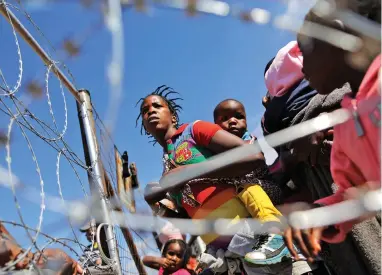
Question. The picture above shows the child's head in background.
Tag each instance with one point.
(230, 115)
(176, 251)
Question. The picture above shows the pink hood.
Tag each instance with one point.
(285, 70)
(355, 157)
(169, 232)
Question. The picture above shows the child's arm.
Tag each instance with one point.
(219, 141)
(156, 262)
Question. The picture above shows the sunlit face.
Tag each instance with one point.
(175, 253)
(231, 116)
(156, 115)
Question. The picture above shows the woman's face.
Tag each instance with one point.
(175, 253)
(322, 64)
(156, 115)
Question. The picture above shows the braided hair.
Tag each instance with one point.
(164, 92)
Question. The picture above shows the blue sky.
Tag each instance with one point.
(205, 58)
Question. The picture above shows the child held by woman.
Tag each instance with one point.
(224, 193)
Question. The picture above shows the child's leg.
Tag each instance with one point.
(258, 204)
(268, 248)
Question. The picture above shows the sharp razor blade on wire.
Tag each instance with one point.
(369, 203)
(78, 212)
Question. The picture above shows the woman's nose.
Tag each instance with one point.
(151, 110)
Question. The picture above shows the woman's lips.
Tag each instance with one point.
(153, 120)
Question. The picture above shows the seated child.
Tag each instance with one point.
(230, 115)
(214, 195)
(173, 261)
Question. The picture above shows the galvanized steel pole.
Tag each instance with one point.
(96, 173)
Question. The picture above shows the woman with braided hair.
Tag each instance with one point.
(217, 194)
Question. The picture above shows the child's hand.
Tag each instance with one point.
(59, 261)
(166, 263)
(307, 240)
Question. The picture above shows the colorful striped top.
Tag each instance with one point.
(189, 146)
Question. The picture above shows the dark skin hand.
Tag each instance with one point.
(66, 265)
(221, 142)
(308, 148)
(157, 262)
(10, 250)
(307, 240)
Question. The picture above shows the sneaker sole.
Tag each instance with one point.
(274, 260)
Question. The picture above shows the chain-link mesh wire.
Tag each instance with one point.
(24, 102)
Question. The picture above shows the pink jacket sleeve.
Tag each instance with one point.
(345, 174)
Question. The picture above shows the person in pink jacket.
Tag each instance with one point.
(355, 156)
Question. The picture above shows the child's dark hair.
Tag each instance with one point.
(184, 247)
(164, 92)
(216, 110)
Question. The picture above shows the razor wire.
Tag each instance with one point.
(20, 116)
(17, 108)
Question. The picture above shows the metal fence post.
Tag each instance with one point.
(95, 174)
(125, 231)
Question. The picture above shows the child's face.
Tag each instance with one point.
(156, 115)
(231, 116)
(176, 254)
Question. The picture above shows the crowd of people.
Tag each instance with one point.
(306, 78)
